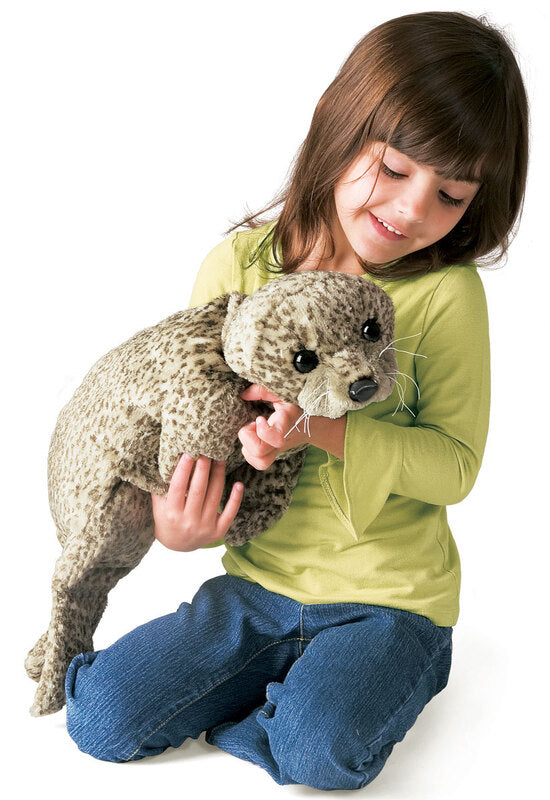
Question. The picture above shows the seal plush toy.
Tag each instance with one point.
(316, 339)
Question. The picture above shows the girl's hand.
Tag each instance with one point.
(187, 518)
(263, 440)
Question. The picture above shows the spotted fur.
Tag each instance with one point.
(174, 388)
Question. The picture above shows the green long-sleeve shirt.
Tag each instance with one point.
(373, 528)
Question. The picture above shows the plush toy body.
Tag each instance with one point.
(319, 340)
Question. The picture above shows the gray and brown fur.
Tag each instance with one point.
(175, 388)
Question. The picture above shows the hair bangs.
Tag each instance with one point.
(452, 131)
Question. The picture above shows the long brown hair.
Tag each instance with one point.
(445, 89)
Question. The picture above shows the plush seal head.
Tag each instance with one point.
(321, 340)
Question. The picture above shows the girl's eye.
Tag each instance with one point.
(390, 172)
(451, 201)
(445, 198)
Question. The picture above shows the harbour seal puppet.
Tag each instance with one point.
(320, 340)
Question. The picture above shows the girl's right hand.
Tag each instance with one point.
(187, 518)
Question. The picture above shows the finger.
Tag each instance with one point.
(198, 486)
(267, 433)
(247, 432)
(230, 511)
(258, 392)
(215, 490)
(252, 442)
(261, 462)
(180, 480)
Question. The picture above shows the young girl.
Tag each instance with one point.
(330, 632)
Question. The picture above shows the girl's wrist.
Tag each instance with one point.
(328, 434)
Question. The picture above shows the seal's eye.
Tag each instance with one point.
(305, 360)
(371, 330)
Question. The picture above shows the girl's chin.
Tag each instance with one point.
(374, 256)
(380, 252)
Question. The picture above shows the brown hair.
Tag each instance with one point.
(445, 89)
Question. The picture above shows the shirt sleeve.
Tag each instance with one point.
(216, 274)
(437, 459)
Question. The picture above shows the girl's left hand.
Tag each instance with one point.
(263, 439)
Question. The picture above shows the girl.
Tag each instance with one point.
(330, 632)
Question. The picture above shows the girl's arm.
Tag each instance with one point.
(437, 459)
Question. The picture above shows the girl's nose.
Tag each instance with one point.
(414, 203)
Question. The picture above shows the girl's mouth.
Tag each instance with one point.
(381, 228)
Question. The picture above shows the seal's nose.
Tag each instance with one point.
(362, 389)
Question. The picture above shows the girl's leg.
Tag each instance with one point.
(357, 689)
(178, 675)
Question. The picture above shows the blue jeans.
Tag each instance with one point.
(314, 694)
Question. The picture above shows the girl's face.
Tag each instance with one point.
(410, 207)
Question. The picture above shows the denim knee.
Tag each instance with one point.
(97, 721)
(310, 750)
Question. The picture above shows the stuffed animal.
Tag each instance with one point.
(321, 340)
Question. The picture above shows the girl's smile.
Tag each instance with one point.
(385, 228)
(387, 205)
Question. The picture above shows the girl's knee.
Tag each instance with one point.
(316, 749)
(320, 759)
(98, 718)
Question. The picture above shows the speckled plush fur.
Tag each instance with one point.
(175, 388)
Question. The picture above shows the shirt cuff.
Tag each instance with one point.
(358, 486)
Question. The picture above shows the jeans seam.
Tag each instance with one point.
(214, 686)
(301, 629)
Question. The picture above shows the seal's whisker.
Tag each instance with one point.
(393, 341)
(402, 405)
(304, 415)
(404, 351)
(401, 394)
(325, 394)
(409, 377)
(317, 399)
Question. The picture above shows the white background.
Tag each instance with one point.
(132, 133)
